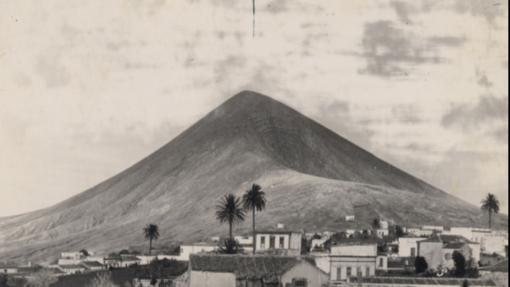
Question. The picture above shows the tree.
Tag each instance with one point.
(229, 210)
(151, 232)
(465, 283)
(490, 204)
(376, 223)
(254, 199)
(420, 264)
(460, 264)
(399, 232)
(84, 252)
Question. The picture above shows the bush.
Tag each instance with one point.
(460, 264)
(102, 280)
(230, 246)
(420, 264)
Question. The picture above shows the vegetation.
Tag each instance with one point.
(490, 204)
(229, 246)
(376, 223)
(41, 278)
(229, 210)
(102, 280)
(420, 264)
(151, 232)
(460, 264)
(254, 199)
(84, 252)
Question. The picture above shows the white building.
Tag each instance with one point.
(241, 270)
(70, 258)
(408, 246)
(353, 258)
(285, 241)
(195, 248)
(349, 218)
(490, 241)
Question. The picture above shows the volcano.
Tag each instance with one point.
(312, 177)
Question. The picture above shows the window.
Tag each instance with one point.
(271, 241)
(281, 241)
(262, 242)
(338, 273)
(359, 273)
(348, 271)
(381, 262)
(299, 282)
(367, 271)
(413, 251)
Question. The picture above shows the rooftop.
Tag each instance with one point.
(246, 267)
(422, 281)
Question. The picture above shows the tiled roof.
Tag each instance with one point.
(422, 281)
(246, 267)
(355, 241)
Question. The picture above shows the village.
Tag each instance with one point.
(386, 254)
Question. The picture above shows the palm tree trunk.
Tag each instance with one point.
(253, 234)
(230, 230)
(490, 219)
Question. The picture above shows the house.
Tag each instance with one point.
(246, 242)
(490, 241)
(72, 268)
(93, 265)
(70, 258)
(349, 218)
(352, 257)
(438, 250)
(8, 269)
(408, 246)
(121, 261)
(195, 248)
(435, 228)
(418, 232)
(279, 241)
(417, 282)
(257, 270)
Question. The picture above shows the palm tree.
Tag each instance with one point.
(151, 232)
(491, 205)
(254, 199)
(229, 210)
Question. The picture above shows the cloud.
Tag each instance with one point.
(403, 10)
(447, 41)
(488, 9)
(387, 49)
(406, 114)
(468, 117)
(483, 80)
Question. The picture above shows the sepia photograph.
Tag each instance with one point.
(253, 143)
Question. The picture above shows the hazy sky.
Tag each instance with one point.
(88, 88)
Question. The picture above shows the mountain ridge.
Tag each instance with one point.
(249, 138)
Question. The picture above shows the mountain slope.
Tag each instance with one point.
(312, 177)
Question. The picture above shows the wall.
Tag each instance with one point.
(322, 260)
(211, 279)
(187, 250)
(432, 252)
(355, 250)
(314, 276)
(277, 236)
(343, 262)
(406, 243)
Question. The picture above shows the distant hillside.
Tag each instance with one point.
(312, 177)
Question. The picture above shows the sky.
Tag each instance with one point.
(87, 88)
